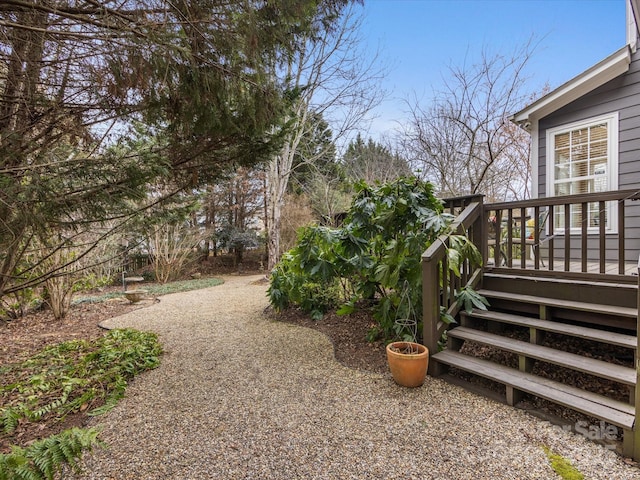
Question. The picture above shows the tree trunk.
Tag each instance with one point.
(279, 169)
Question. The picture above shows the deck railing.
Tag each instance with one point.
(585, 236)
(597, 243)
(531, 237)
(439, 284)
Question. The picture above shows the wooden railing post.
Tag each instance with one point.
(430, 307)
(439, 284)
(480, 232)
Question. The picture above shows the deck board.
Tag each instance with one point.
(595, 334)
(616, 373)
(626, 312)
(612, 411)
(611, 268)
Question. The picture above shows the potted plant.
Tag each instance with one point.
(408, 360)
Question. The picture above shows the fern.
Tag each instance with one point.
(75, 375)
(9, 418)
(118, 388)
(69, 385)
(13, 464)
(44, 459)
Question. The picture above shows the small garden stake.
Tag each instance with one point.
(408, 360)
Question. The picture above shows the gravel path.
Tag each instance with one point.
(240, 397)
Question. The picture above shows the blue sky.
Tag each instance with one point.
(418, 39)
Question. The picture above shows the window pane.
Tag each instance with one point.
(562, 171)
(582, 186)
(579, 153)
(576, 216)
(562, 140)
(581, 166)
(600, 178)
(558, 217)
(562, 155)
(594, 215)
(563, 189)
(579, 169)
(599, 132)
(598, 167)
(598, 149)
(580, 136)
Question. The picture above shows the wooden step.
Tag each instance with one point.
(594, 334)
(617, 373)
(625, 312)
(612, 411)
(608, 293)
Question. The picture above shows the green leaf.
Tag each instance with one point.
(346, 309)
(469, 298)
(455, 260)
(446, 317)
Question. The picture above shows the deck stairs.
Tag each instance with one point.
(554, 324)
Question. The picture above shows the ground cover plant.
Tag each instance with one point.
(154, 289)
(372, 260)
(77, 376)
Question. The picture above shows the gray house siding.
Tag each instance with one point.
(621, 95)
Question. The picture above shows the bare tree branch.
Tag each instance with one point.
(335, 81)
(463, 141)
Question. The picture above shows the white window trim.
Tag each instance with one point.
(612, 120)
(534, 159)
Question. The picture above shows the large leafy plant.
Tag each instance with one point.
(370, 257)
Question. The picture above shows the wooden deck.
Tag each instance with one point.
(581, 281)
(611, 268)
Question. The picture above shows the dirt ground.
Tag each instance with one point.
(27, 335)
(348, 335)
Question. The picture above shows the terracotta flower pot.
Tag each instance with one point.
(408, 363)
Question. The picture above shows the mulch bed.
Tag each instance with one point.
(25, 336)
(22, 337)
(348, 333)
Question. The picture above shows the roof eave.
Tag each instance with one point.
(608, 69)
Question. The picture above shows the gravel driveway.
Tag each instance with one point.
(238, 396)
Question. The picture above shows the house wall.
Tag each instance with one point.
(621, 95)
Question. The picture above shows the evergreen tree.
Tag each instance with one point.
(99, 101)
(316, 155)
(373, 162)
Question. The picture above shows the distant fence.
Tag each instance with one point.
(134, 262)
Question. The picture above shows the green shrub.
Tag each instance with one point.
(16, 304)
(305, 276)
(372, 256)
(90, 282)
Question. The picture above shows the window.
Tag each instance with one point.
(583, 158)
